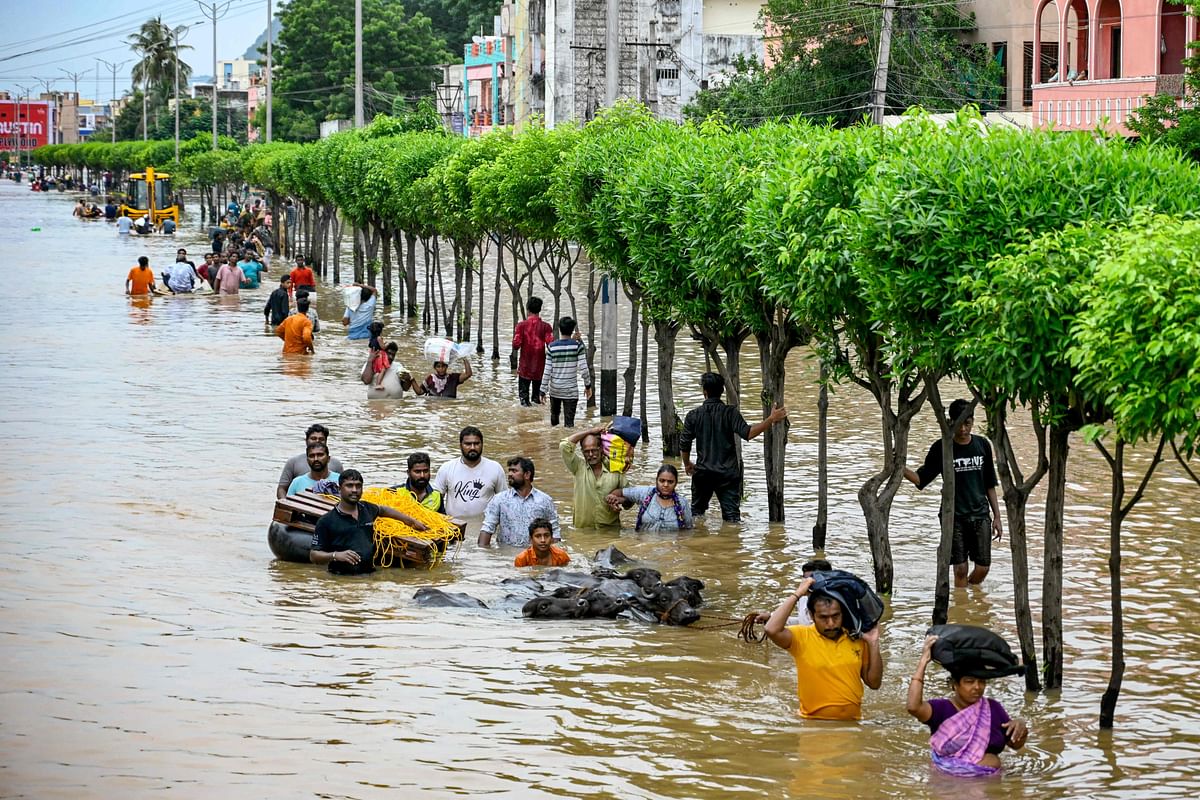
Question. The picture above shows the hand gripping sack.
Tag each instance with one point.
(861, 607)
(618, 453)
(973, 651)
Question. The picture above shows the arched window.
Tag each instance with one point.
(1108, 39)
(1172, 44)
(1046, 54)
(1075, 59)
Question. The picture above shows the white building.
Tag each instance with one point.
(668, 50)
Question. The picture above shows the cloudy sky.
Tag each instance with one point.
(48, 38)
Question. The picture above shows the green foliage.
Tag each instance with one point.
(825, 60)
(456, 21)
(941, 202)
(314, 61)
(513, 190)
(1135, 341)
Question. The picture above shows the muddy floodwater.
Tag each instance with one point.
(150, 645)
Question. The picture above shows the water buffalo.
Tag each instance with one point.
(691, 586)
(670, 604)
(429, 597)
(644, 577)
(555, 608)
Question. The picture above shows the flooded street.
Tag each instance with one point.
(151, 643)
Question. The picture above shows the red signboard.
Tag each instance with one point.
(28, 121)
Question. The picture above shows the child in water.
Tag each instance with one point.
(542, 551)
(379, 357)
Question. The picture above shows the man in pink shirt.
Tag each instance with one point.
(530, 338)
(230, 276)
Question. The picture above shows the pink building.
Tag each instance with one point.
(1099, 59)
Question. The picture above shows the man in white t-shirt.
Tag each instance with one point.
(124, 225)
(469, 482)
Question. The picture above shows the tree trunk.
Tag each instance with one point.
(941, 595)
(410, 274)
(1118, 510)
(496, 298)
(593, 295)
(821, 525)
(398, 245)
(482, 292)
(1016, 497)
(1052, 558)
(630, 374)
(642, 380)
(383, 237)
(773, 347)
(338, 230)
(877, 493)
(664, 336)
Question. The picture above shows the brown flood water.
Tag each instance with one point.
(151, 643)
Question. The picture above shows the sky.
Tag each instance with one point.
(42, 41)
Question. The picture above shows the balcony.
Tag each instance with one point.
(1084, 105)
(1098, 60)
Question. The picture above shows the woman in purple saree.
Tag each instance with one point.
(968, 730)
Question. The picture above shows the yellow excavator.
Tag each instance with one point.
(149, 195)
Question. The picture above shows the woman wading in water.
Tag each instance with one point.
(967, 730)
(660, 507)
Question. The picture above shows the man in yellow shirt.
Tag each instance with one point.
(831, 668)
(593, 480)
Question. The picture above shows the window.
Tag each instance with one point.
(1027, 75)
(1000, 52)
(1049, 66)
(667, 74)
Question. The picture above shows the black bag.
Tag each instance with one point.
(861, 607)
(973, 651)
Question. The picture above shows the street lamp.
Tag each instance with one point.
(25, 90)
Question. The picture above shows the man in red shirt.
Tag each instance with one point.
(530, 338)
(303, 278)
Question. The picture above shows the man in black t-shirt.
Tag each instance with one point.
(976, 508)
(717, 470)
(345, 537)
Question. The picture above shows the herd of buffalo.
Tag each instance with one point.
(639, 593)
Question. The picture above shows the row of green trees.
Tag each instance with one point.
(1048, 271)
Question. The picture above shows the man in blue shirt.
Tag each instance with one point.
(318, 477)
(252, 270)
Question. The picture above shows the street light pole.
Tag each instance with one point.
(48, 83)
(214, 11)
(358, 69)
(112, 104)
(270, 16)
(25, 90)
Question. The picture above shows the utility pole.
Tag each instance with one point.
(178, 30)
(358, 76)
(608, 345)
(270, 20)
(612, 58)
(879, 91)
(214, 11)
(112, 104)
(145, 88)
(74, 76)
(25, 90)
(48, 83)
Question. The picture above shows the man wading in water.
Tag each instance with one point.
(345, 536)
(470, 482)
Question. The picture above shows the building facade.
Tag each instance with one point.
(660, 52)
(1100, 59)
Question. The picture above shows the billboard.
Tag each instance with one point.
(28, 121)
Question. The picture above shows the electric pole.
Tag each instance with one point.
(214, 11)
(879, 91)
(608, 345)
(25, 90)
(358, 55)
(74, 76)
(270, 20)
(112, 104)
(48, 83)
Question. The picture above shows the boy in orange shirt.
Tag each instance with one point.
(141, 278)
(542, 551)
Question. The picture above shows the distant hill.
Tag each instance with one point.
(252, 53)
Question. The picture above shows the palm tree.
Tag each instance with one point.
(158, 46)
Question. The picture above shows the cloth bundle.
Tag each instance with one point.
(973, 651)
(861, 607)
(618, 442)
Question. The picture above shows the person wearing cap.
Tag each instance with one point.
(443, 383)
(831, 667)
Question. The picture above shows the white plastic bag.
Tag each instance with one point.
(445, 350)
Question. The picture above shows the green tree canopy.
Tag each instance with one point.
(314, 61)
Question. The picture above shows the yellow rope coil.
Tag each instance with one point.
(440, 532)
